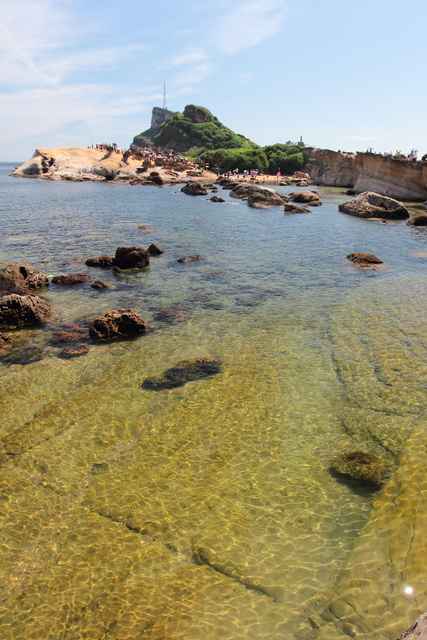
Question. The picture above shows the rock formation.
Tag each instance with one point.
(373, 205)
(257, 196)
(306, 197)
(71, 279)
(386, 175)
(116, 324)
(131, 258)
(364, 260)
(194, 189)
(420, 220)
(185, 371)
(362, 467)
(21, 278)
(23, 311)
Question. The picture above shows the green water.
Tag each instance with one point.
(208, 511)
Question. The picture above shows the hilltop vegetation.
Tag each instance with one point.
(198, 133)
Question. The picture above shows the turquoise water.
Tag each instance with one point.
(208, 511)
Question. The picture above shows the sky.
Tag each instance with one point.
(343, 74)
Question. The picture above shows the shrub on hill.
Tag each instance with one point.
(270, 159)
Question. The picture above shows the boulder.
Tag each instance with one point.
(257, 196)
(314, 203)
(101, 284)
(121, 323)
(420, 220)
(154, 250)
(23, 311)
(74, 278)
(303, 196)
(293, 208)
(362, 467)
(194, 189)
(101, 261)
(131, 257)
(4, 339)
(418, 631)
(185, 371)
(364, 260)
(373, 205)
(21, 278)
(195, 258)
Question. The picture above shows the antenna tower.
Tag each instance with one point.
(164, 95)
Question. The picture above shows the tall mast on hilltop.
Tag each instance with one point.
(164, 95)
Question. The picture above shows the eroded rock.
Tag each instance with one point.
(420, 220)
(373, 205)
(154, 250)
(362, 467)
(4, 339)
(303, 196)
(364, 260)
(120, 323)
(293, 208)
(195, 258)
(21, 278)
(257, 196)
(194, 189)
(185, 371)
(23, 311)
(131, 258)
(101, 261)
(72, 279)
(101, 284)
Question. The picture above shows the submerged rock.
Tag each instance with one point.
(121, 323)
(101, 284)
(195, 258)
(185, 371)
(21, 278)
(293, 208)
(72, 279)
(194, 189)
(101, 261)
(420, 220)
(362, 467)
(131, 258)
(364, 260)
(170, 316)
(24, 355)
(23, 311)
(373, 205)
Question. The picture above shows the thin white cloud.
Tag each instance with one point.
(248, 24)
(194, 75)
(189, 56)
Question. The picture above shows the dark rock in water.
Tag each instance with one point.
(194, 189)
(4, 339)
(144, 227)
(73, 340)
(74, 278)
(170, 316)
(420, 220)
(117, 272)
(21, 278)
(303, 196)
(373, 205)
(362, 467)
(154, 250)
(364, 260)
(293, 208)
(195, 258)
(74, 351)
(24, 355)
(23, 311)
(121, 323)
(101, 284)
(155, 178)
(314, 203)
(185, 371)
(350, 192)
(131, 258)
(260, 197)
(102, 261)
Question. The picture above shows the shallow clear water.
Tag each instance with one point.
(208, 511)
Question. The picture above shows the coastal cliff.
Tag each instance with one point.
(388, 176)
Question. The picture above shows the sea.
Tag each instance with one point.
(210, 511)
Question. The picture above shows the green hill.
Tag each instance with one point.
(197, 129)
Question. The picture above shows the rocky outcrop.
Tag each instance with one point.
(361, 467)
(4, 339)
(185, 371)
(194, 189)
(121, 323)
(101, 261)
(21, 278)
(386, 175)
(131, 258)
(195, 258)
(420, 220)
(306, 197)
(71, 279)
(23, 311)
(101, 284)
(154, 250)
(364, 260)
(257, 196)
(373, 205)
(293, 208)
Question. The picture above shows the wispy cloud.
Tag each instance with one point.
(248, 24)
(191, 55)
(195, 74)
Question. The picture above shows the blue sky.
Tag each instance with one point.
(343, 74)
